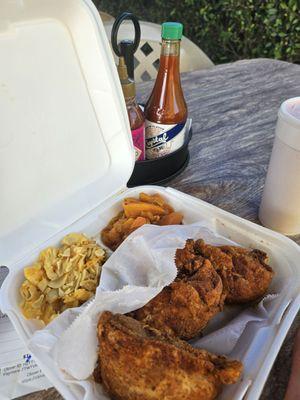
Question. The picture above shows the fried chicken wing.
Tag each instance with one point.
(184, 308)
(137, 362)
(245, 273)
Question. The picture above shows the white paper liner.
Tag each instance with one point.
(132, 276)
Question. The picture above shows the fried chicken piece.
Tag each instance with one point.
(184, 308)
(245, 273)
(187, 260)
(138, 362)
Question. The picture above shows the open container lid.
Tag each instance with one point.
(65, 142)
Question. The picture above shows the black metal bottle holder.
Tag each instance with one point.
(163, 169)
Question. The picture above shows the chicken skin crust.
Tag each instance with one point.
(184, 308)
(245, 274)
(137, 362)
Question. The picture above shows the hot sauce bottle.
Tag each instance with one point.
(166, 110)
(135, 114)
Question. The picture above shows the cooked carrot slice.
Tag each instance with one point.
(134, 209)
(175, 218)
(152, 198)
(139, 221)
(131, 200)
(169, 209)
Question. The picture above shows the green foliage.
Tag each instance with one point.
(226, 30)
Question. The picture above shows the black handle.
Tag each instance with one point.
(127, 48)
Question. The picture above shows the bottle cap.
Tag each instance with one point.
(171, 30)
(128, 85)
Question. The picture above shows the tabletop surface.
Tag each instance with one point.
(234, 111)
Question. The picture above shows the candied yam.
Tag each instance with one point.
(131, 200)
(152, 198)
(127, 224)
(113, 221)
(153, 219)
(113, 237)
(156, 199)
(137, 212)
(175, 218)
(169, 209)
(138, 222)
(134, 209)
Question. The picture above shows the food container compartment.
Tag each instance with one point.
(67, 155)
(260, 346)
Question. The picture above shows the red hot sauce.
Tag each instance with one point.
(166, 110)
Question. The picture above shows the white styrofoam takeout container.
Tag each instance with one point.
(66, 155)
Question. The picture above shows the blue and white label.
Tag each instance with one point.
(163, 139)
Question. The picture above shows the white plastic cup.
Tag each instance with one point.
(280, 206)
